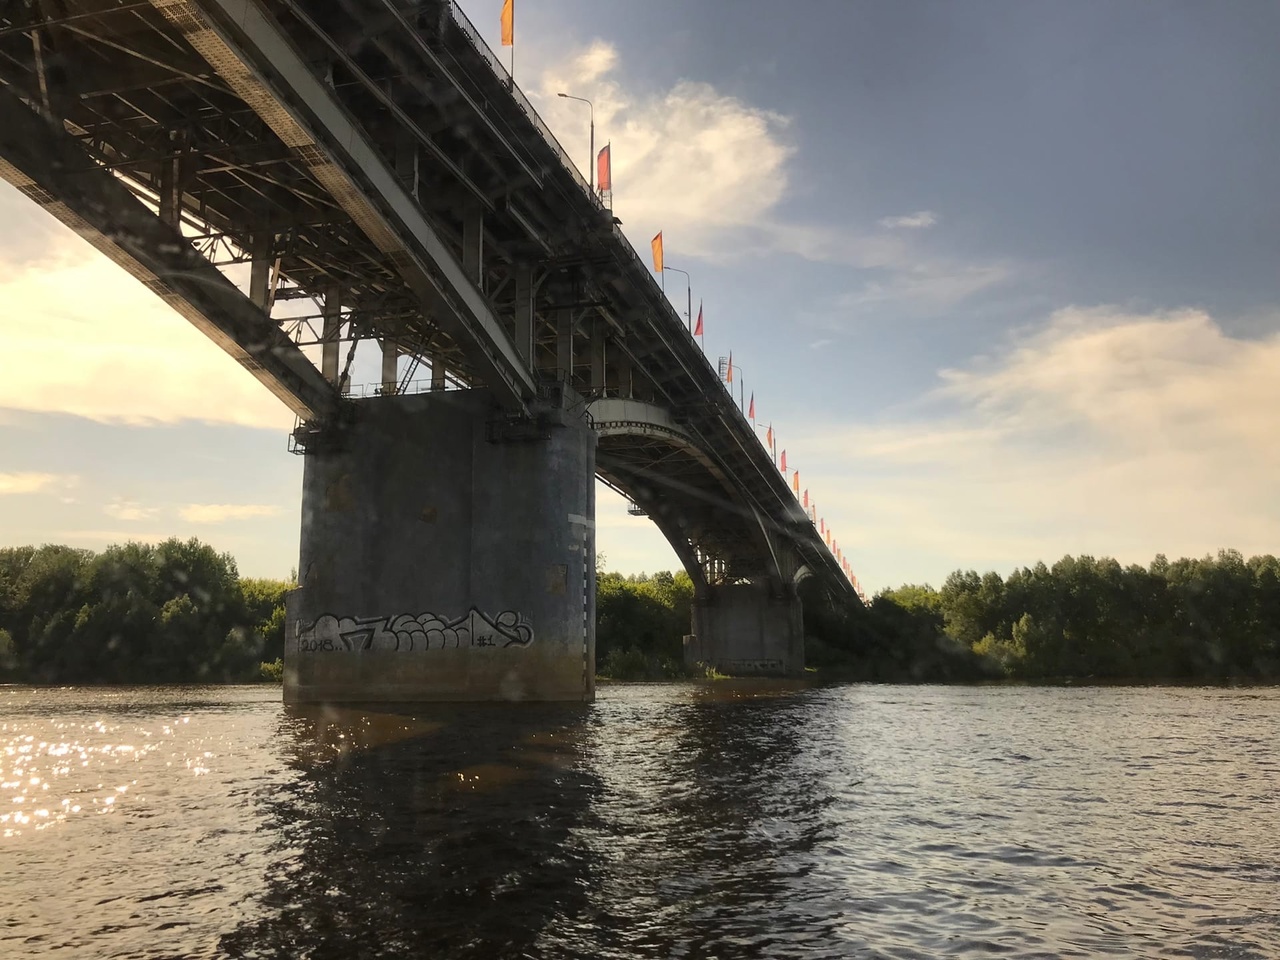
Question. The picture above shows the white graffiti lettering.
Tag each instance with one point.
(406, 631)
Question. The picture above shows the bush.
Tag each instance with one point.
(272, 672)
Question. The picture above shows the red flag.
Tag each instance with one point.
(656, 246)
(783, 466)
(751, 410)
(806, 498)
(822, 525)
(508, 23)
(604, 169)
(697, 331)
(729, 378)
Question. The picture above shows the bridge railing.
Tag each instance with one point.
(464, 24)
(495, 63)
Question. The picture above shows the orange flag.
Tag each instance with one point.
(783, 467)
(806, 498)
(828, 538)
(508, 23)
(751, 410)
(604, 169)
(795, 482)
(697, 331)
(656, 246)
(729, 378)
(768, 437)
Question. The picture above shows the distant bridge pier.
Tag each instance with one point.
(747, 628)
(447, 553)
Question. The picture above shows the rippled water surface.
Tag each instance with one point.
(662, 821)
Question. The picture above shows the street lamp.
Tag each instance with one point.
(742, 387)
(688, 286)
(591, 170)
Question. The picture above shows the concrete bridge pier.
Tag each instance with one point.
(747, 628)
(447, 554)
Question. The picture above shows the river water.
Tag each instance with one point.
(714, 820)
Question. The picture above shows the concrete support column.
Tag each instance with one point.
(622, 364)
(260, 268)
(390, 374)
(170, 208)
(599, 349)
(437, 374)
(564, 344)
(473, 246)
(745, 628)
(407, 162)
(330, 334)
(439, 565)
(524, 313)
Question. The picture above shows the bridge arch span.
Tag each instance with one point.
(645, 454)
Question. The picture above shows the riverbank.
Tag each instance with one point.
(178, 611)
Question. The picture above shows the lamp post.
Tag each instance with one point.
(742, 387)
(591, 170)
(688, 286)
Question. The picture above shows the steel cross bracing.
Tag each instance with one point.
(374, 154)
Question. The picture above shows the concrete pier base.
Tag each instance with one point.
(446, 556)
(744, 629)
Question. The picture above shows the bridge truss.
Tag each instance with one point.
(365, 170)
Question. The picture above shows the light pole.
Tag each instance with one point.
(688, 286)
(591, 169)
(742, 387)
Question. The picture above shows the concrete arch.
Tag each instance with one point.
(653, 487)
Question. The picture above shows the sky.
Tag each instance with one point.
(1001, 275)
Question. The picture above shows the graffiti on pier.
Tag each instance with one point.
(425, 631)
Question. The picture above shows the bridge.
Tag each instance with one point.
(371, 175)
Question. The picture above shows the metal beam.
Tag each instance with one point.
(48, 165)
(254, 57)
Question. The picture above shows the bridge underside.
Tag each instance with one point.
(301, 177)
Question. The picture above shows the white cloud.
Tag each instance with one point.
(690, 161)
(920, 220)
(123, 509)
(222, 512)
(75, 537)
(1103, 432)
(929, 285)
(83, 337)
(711, 171)
(12, 483)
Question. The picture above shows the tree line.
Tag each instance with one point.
(177, 611)
(1211, 618)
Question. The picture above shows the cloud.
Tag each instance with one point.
(1102, 431)
(713, 172)
(14, 483)
(689, 160)
(83, 337)
(122, 509)
(222, 512)
(920, 220)
(929, 285)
